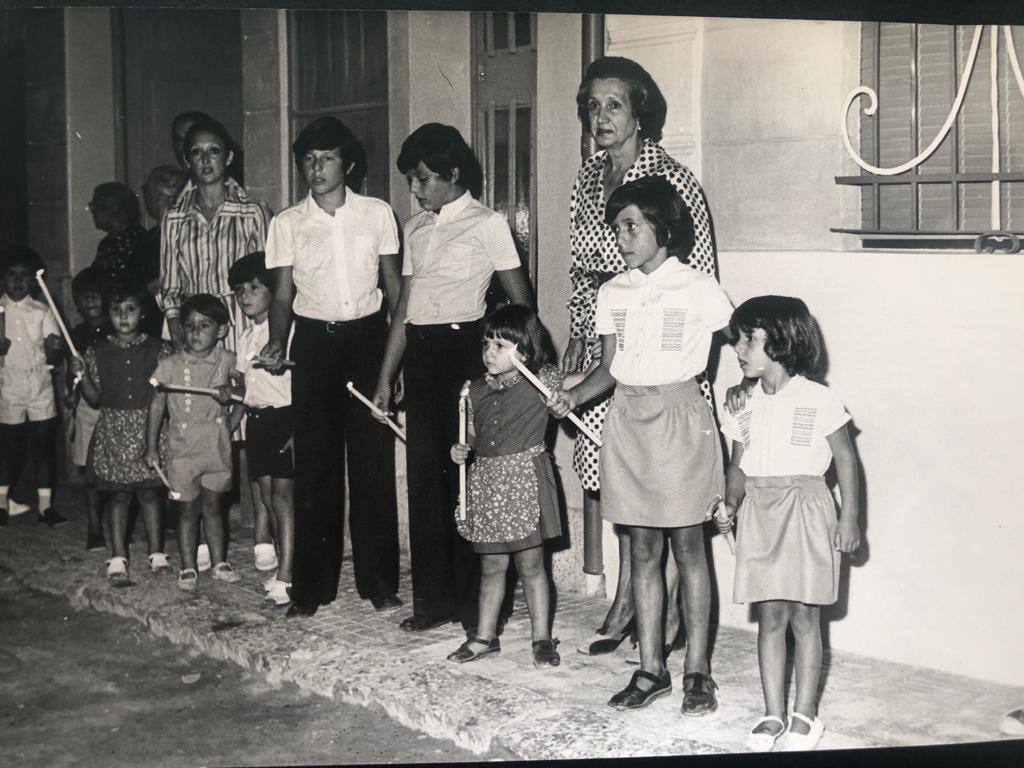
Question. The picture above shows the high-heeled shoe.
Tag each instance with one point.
(603, 642)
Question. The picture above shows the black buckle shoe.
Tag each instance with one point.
(544, 653)
(635, 697)
(698, 694)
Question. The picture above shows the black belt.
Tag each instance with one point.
(337, 326)
(432, 331)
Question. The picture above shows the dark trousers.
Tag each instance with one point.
(30, 444)
(438, 360)
(330, 424)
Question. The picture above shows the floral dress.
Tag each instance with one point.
(512, 502)
(122, 371)
(596, 259)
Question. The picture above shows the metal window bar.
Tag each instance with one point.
(954, 178)
(510, 212)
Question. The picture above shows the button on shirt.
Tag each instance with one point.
(662, 322)
(786, 433)
(26, 324)
(335, 260)
(451, 256)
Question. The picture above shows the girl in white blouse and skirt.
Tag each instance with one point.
(661, 464)
(789, 542)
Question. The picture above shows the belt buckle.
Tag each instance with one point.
(332, 326)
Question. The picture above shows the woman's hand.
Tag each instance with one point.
(572, 360)
(561, 402)
(176, 332)
(460, 453)
(847, 537)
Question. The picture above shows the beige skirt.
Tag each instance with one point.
(661, 464)
(785, 530)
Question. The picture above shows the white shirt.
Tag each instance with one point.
(335, 260)
(662, 322)
(262, 388)
(451, 256)
(26, 324)
(786, 433)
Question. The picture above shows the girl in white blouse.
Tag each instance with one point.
(788, 539)
(661, 463)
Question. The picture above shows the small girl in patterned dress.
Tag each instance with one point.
(116, 381)
(511, 505)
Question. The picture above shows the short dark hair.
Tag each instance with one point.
(192, 116)
(90, 279)
(209, 125)
(120, 199)
(122, 290)
(21, 255)
(252, 266)
(663, 208)
(521, 326)
(328, 132)
(205, 304)
(792, 336)
(442, 149)
(649, 106)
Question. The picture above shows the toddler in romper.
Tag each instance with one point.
(198, 437)
(789, 542)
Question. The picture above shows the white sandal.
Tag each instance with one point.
(798, 742)
(158, 563)
(188, 579)
(117, 568)
(278, 593)
(265, 557)
(758, 741)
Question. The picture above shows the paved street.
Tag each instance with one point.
(93, 689)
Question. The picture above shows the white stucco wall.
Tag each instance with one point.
(917, 350)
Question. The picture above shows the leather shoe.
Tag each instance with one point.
(52, 517)
(3, 516)
(385, 603)
(466, 652)
(698, 694)
(544, 653)
(299, 610)
(421, 623)
(635, 697)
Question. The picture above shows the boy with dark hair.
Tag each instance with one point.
(330, 251)
(268, 428)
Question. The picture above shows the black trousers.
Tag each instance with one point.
(331, 425)
(445, 575)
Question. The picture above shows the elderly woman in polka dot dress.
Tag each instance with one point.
(622, 108)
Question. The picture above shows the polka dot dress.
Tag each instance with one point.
(596, 259)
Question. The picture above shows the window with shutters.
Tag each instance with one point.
(339, 67)
(941, 136)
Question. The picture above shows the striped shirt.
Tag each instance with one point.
(451, 256)
(195, 255)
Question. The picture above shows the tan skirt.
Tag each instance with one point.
(661, 464)
(785, 530)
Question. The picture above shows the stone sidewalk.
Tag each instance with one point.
(500, 706)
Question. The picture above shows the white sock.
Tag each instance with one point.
(3, 495)
(44, 499)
